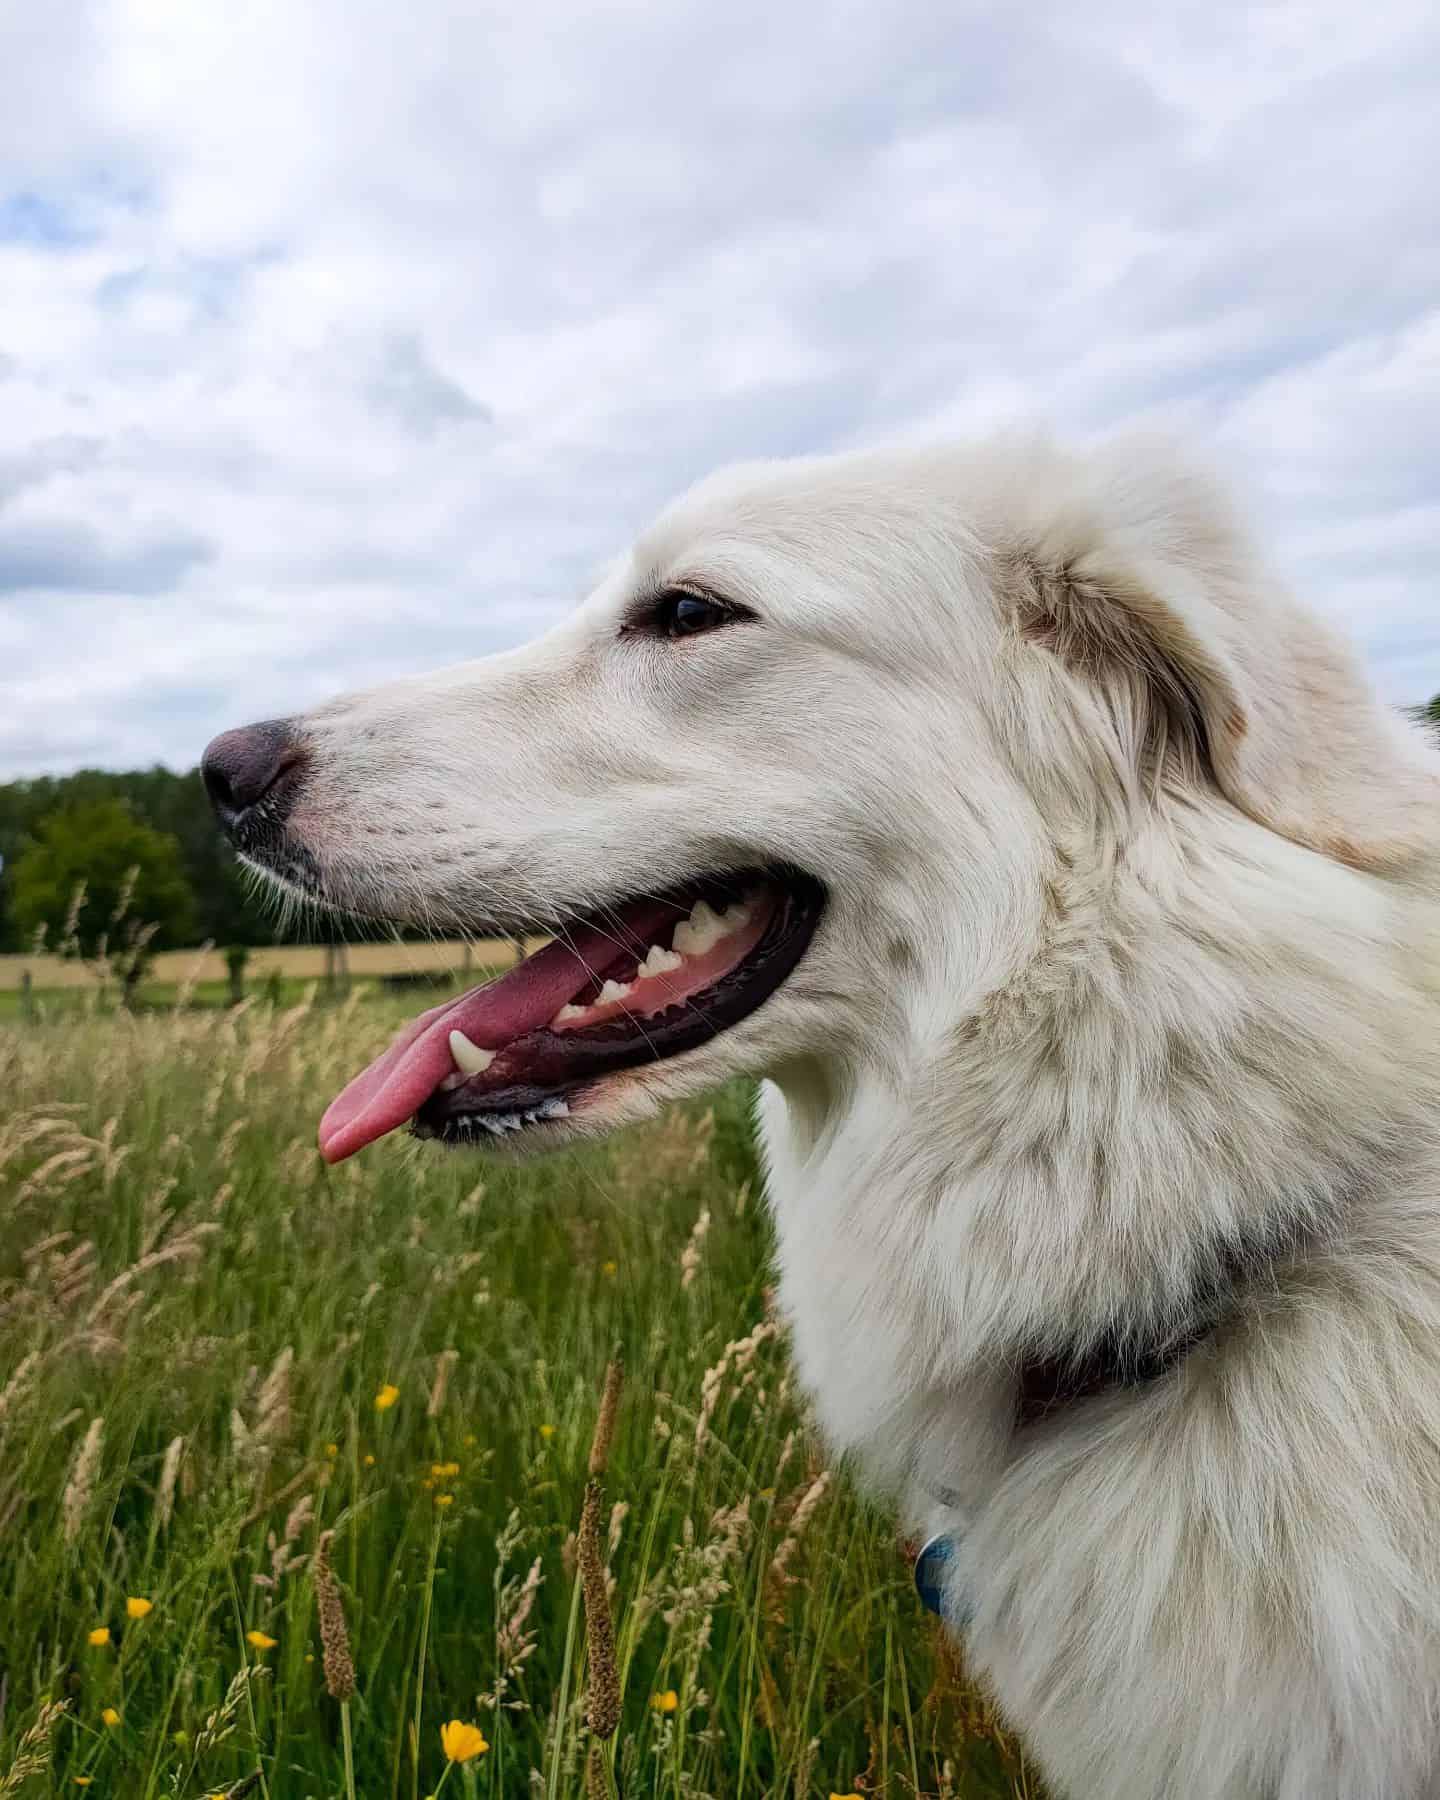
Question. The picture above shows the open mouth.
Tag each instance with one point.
(640, 981)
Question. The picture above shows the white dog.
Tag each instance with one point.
(1080, 906)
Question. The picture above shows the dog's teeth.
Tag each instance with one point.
(612, 991)
(568, 1012)
(553, 1109)
(660, 961)
(451, 1082)
(469, 1057)
(700, 932)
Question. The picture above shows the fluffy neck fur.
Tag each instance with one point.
(1219, 1038)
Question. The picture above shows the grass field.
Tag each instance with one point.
(212, 1349)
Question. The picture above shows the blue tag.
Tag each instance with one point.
(932, 1570)
(931, 1567)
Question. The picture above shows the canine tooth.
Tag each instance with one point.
(469, 1057)
(660, 961)
(612, 990)
(700, 932)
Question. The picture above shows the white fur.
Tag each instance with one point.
(1084, 998)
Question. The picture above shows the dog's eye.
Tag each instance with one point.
(683, 614)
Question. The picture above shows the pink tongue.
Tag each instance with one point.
(403, 1077)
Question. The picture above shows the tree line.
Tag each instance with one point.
(95, 827)
(136, 846)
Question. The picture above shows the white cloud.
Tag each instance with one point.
(348, 338)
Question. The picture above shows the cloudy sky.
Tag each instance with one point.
(340, 337)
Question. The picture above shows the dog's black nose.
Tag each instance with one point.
(241, 767)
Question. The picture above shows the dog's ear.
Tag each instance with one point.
(1143, 583)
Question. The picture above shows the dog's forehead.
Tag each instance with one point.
(806, 508)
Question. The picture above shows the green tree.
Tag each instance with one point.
(134, 894)
(170, 802)
(227, 910)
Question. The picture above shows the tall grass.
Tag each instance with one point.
(213, 1351)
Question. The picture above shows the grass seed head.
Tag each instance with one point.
(691, 1254)
(604, 1703)
(444, 1363)
(32, 1753)
(169, 1475)
(799, 1519)
(609, 1411)
(78, 1489)
(596, 1786)
(272, 1412)
(339, 1667)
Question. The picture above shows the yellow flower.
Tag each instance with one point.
(460, 1741)
(136, 1608)
(369, 1461)
(547, 1431)
(441, 1471)
(610, 1268)
(110, 1717)
(471, 1440)
(332, 1450)
(444, 1499)
(847, 1797)
(387, 1397)
(666, 1702)
(83, 1780)
(259, 1641)
(99, 1637)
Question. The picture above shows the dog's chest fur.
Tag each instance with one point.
(1075, 1155)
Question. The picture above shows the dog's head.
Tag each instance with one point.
(786, 788)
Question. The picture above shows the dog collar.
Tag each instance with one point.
(1049, 1383)
(1125, 1357)
(1117, 1361)
(1043, 1386)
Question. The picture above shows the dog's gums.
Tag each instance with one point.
(642, 980)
